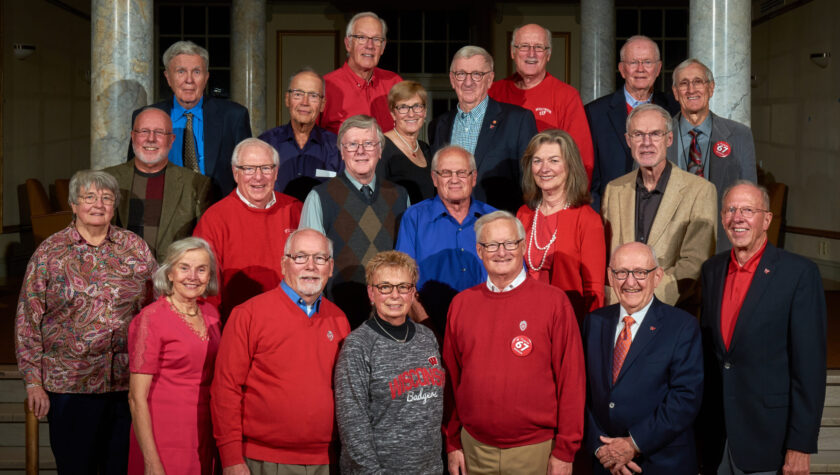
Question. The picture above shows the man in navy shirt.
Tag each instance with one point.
(438, 233)
(309, 155)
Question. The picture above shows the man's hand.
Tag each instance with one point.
(456, 463)
(39, 402)
(628, 469)
(238, 469)
(796, 463)
(616, 452)
(558, 467)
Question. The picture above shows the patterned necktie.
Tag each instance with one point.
(622, 345)
(367, 191)
(696, 165)
(190, 158)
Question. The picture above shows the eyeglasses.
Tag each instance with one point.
(144, 133)
(386, 288)
(458, 173)
(320, 259)
(639, 274)
(362, 39)
(494, 246)
(404, 108)
(523, 48)
(299, 94)
(91, 198)
(696, 83)
(655, 136)
(746, 212)
(353, 146)
(647, 64)
(475, 75)
(250, 170)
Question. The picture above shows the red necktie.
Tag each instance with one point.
(622, 345)
(696, 165)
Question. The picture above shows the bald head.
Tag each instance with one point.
(151, 139)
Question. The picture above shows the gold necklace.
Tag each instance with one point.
(186, 314)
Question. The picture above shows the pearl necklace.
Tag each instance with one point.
(533, 239)
(416, 145)
(376, 319)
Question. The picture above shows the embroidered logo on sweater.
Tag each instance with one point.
(330, 335)
(523, 325)
(433, 360)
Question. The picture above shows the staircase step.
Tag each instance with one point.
(14, 458)
(831, 416)
(829, 439)
(826, 461)
(11, 386)
(832, 388)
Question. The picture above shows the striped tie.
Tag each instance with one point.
(622, 346)
(696, 165)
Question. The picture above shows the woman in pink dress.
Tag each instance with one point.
(172, 346)
(565, 236)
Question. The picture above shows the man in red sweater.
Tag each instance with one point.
(515, 365)
(555, 104)
(272, 393)
(248, 228)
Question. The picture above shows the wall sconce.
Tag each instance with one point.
(821, 59)
(22, 51)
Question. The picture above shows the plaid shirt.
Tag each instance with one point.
(467, 126)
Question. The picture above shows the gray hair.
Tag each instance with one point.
(647, 246)
(85, 179)
(351, 25)
(547, 35)
(185, 47)
(254, 142)
(174, 253)
(453, 148)
(468, 52)
(310, 70)
(638, 38)
(765, 196)
(287, 249)
(669, 123)
(360, 121)
(688, 62)
(496, 215)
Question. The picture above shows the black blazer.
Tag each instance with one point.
(226, 123)
(607, 118)
(505, 133)
(766, 393)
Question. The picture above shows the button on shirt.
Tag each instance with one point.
(705, 129)
(309, 310)
(319, 158)
(467, 126)
(647, 202)
(179, 121)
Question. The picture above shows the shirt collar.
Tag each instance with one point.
(358, 80)
(638, 316)
(660, 185)
(439, 210)
(308, 309)
(751, 264)
(632, 101)
(516, 283)
(178, 111)
(251, 205)
(478, 110)
(356, 183)
(77, 236)
(287, 134)
(705, 127)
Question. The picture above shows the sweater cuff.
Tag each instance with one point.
(453, 443)
(231, 454)
(564, 453)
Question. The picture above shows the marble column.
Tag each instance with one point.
(597, 49)
(719, 36)
(248, 59)
(122, 74)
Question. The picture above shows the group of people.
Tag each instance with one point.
(518, 295)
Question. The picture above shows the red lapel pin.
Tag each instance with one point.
(766, 270)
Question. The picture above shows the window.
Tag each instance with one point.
(668, 27)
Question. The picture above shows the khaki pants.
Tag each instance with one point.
(258, 467)
(483, 459)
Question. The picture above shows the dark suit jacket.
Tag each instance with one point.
(657, 394)
(185, 198)
(505, 133)
(723, 172)
(226, 123)
(607, 118)
(765, 394)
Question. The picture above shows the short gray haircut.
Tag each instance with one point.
(647, 246)
(494, 216)
(453, 148)
(547, 35)
(351, 25)
(688, 62)
(174, 253)
(468, 52)
(765, 196)
(360, 121)
(287, 249)
(254, 142)
(669, 123)
(635, 38)
(310, 70)
(86, 179)
(185, 47)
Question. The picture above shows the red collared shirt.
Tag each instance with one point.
(738, 280)
(347, 95)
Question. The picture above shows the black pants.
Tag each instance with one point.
(89, 432)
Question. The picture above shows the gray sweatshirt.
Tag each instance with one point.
(389, 402)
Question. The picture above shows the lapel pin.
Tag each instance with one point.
(766, 270)
(493, 124)
(722, 149)
(652, 328)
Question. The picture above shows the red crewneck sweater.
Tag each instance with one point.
(503, 399)
(272, 393)
(248, 243)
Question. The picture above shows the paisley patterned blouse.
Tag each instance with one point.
(75, 306)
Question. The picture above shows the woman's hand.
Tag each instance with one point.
(39, 402)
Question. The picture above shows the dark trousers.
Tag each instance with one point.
(89, 432)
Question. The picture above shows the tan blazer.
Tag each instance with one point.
(683, 231)
(185, 198)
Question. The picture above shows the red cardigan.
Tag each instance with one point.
(580, 256)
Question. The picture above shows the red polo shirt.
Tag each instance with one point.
(349, 95)
(738, 280)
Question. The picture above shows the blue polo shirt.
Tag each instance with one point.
(179, 122)
(318, 160)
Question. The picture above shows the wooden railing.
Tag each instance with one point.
(31, 440)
